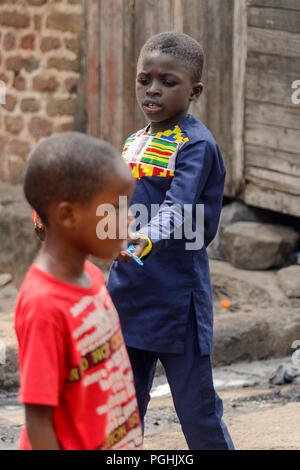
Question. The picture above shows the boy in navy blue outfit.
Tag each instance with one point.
(165, 306)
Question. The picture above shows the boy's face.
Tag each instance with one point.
(91, 222)
(164, 89)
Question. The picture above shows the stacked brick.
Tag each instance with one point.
(39, 65)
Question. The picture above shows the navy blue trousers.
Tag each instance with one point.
(197, 405)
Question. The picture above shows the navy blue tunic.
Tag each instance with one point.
(182, 167)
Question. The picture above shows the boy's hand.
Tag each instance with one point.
(139, 243)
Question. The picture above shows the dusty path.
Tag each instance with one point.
(259, 416)
(255, 420)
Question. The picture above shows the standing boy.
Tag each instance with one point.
(165, 307)
(76, 379)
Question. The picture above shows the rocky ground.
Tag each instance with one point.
(259, 415)
(262, 323)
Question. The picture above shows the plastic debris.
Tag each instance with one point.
(283, 376)
(225, 303)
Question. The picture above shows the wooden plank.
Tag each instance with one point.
(284, 4)
(111, 80)
(177, 15)
(286, 66)
(129, 69)
(280, 138)
(273, 159)
(267, 86)
(274, 18)
(194, 17)
(162, 16)
(272, 114)
(273, 180)
(143, 30)
(268, 41)
(256, 195)
(220, 18)
(238, 84)
(80, 123)
(92, 96)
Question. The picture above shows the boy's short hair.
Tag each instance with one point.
(69, 167)
(181, 46)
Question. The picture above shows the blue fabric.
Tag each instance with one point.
(154, 300)
(198, 406)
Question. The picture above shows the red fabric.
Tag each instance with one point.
(72, 356)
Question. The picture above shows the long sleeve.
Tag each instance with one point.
(198, 180)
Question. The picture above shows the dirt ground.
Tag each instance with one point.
(259, 415)
(256, 419)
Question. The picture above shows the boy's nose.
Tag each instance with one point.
(153, 89)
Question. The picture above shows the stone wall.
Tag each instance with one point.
(39, 64)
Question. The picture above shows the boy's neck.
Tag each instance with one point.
(64, 263)
(164, 126)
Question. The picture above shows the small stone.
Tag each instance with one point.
(14, 124)
(61, 107)
(14, 19)
(4, 78)
(31, 64)
(30, 105)
(49, 43)
(17, 63)
(63, 64)
(9, 41)
(258, 246)
(14, 63)
(19, 147)
(44, 84)
(234, 212)
(16, 166)
(36, 3)
(73, 44)
(71, 84)
(285, 390)
(10, 103)
(5, 279)
(64, 127)
(40, 127)
(19, 83)
(27, 42)
(289, 281)
(64, 22)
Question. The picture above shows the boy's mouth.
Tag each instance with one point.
(151, 107)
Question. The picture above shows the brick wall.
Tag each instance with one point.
(39, 63)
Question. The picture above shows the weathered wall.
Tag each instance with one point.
(272, 120)
(115, 33)
(39, 63)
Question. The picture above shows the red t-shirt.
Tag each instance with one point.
(72, 356)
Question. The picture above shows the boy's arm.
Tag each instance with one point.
(199, 178)
(40, 429)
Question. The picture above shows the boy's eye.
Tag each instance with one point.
(142, 81)
(169, 83)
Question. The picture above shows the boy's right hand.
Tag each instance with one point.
(140, 243)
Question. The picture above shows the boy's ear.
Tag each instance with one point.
(196, 91)
(66, 215)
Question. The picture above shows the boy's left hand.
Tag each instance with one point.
(139, 243)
